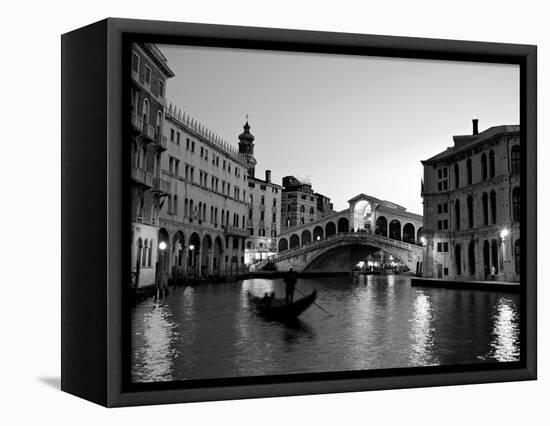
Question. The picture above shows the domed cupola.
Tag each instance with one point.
(246, 147)
(246, 140)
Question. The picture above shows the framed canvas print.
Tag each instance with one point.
(253, 212)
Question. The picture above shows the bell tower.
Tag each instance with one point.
(246, 147)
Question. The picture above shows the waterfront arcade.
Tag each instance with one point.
(471, 195)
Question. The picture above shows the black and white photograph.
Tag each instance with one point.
(304, 213)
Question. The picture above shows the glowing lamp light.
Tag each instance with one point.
(191, 247)
(503, 233)
(162, 245)
(423, 240)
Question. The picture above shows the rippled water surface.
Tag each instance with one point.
(210, 331)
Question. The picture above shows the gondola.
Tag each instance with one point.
(272, 308)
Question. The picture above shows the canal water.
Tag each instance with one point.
(210, 331)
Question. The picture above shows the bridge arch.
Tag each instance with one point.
(294, 241)
(306, 237)
(343, 224)
(408, 233)
(409, 261)
(381, 226)
(395, 230)
(318, 233)
(283, 244)
(330, 229)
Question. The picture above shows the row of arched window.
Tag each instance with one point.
(146, 113)
(489, 206)
(490, 257)
(488, 166)
(199, 212)
(302, 208)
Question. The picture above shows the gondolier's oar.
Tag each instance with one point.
(315, 303)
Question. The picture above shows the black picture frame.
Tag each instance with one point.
(94, 178)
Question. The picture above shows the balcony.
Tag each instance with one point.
(137, 122)
(161, 186)
(142, 176)
(236, 232)
(160, 141)
(148, 132)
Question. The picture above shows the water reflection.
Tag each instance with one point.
(210, 331)
(421, 332)
(155, 349)
(505, 335)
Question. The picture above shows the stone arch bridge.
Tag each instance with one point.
(299, 258)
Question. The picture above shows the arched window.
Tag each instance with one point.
(458, 260)
(138, 251)
(302, 209)
(145, 113)
(204, 212)
(283, 244)
(330, 229)
(516, 255)
(311, 210)
(288, 207)
(457, 176)
(158, 127)
(515, 157)
(469, 171)
(493, 202)
(472, 257)
(191, 212)
(150, 254)
(485, 209)
(144, 254)
(457, 214)
(491, 163)
(143, 162)
(516, 204)
(494, 255)
(470, 202)
(486, 258)
(484, 167)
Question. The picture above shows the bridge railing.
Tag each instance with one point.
(327, 241)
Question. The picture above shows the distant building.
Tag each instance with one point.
(264, 203)
(300, 204)
(149, 73)
(471, 195)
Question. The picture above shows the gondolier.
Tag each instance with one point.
(290, 281)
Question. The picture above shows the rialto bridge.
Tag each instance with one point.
(368, 221)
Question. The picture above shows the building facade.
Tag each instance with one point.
(263, 221)
(471, 196)
(203, 216)
(264, 204)
(149, 73)
(300, 204)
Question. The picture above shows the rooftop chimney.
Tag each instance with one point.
(268, 176)
(476, 129)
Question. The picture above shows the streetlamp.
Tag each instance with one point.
(191, 248)
(160, 288)
(424, 241)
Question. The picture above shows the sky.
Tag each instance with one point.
(351, 124)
